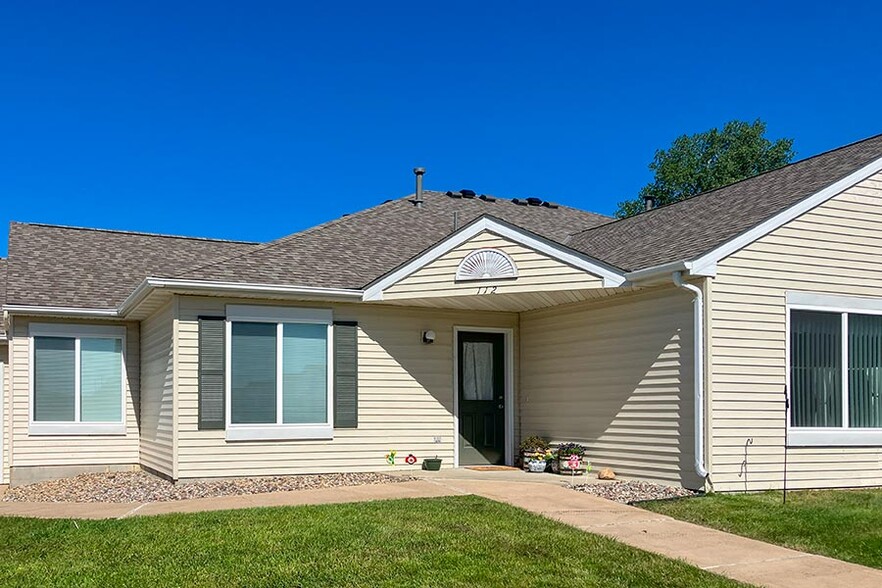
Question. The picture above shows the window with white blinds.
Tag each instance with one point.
(280, 373)
(78, 379)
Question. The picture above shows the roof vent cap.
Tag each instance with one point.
(519, 201)
(548, 204)
(534, 201)
(454, 194)
(487, 198)
(467, 193)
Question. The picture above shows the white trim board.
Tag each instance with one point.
(508, 394)
(611, 276)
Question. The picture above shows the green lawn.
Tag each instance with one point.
(844, 524)
(459, 541)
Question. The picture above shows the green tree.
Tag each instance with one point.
(697, 163)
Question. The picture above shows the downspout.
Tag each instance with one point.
(698, 314)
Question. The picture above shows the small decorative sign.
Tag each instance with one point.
(390, 457)
(410, 459)
(574, 462)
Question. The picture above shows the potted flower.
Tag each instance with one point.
(533, 448)
(538, 462)
(570, 459)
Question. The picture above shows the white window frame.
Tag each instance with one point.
(278, 431)
(76, 332)
(830, 436)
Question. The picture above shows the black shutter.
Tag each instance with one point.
(345, 375)
(212, 354)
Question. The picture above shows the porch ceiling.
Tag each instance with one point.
(518, 302)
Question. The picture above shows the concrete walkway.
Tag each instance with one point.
(739, 558)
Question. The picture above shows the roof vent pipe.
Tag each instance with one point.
(418, 199)
(648, 202)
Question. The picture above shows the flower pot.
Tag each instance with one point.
(432, 464)
(536, 466)
(564, 466)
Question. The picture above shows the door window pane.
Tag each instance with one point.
(477, 370)
(54, 379)
(815, 369)
(864, 370)
(253, 373)
(100, 380)
(305, 373)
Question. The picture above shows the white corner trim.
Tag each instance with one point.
(611, 276)
(784, 217)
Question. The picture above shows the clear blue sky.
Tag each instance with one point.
(252, 120)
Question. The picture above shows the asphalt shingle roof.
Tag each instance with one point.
(92, 268)
(688, 229)
(354, 250)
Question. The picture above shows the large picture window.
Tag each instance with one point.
(279, 377)
(835, 376)
(78, 380)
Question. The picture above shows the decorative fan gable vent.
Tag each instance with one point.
(486, 264)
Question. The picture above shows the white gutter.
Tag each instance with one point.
(61, 311)
(698, 318)
(149, 284)
(145, 287)
(662, 271)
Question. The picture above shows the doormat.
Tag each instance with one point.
(491, 468)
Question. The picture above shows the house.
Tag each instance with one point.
(727, 341)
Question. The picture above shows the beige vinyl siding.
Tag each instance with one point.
(157, 391)
(405, 396)
(616, 376)
(6, 411)
(69, 450)
(536, 272)
(833, 249)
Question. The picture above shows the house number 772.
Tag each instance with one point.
(487, 290)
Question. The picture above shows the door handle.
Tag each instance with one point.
(500, 406)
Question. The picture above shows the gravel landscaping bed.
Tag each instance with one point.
(630, 491)
(143, 487)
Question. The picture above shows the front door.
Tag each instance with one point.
(481, 378)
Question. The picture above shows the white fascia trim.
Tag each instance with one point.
(611, 277)
(231, 287)
(665, 270)
(713, 257)
(61, 311)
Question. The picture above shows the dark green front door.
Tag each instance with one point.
(481, 377)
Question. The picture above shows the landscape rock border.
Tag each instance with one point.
(122, 487)
(631, 491)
